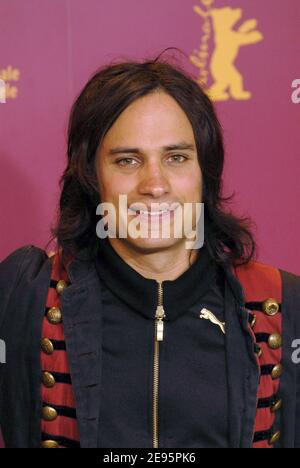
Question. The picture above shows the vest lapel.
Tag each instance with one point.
(81, 308)
(242, 367)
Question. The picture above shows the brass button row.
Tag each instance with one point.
(54, 317)
(271, 308)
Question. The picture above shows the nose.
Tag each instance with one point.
(153, 181)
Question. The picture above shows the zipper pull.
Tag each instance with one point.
(160, 315)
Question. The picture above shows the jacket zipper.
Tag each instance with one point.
(158, 337)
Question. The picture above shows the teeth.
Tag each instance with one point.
(150, 213)
(153, 213)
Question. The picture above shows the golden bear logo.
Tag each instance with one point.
(227, 79)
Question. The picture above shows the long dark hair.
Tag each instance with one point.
(99, 104)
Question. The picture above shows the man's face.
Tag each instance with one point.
(149, 154)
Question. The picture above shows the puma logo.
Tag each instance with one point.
(208, 315)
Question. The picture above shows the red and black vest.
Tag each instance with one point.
(263, 295)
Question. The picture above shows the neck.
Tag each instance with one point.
(160, 265)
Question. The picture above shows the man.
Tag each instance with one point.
(139, 340)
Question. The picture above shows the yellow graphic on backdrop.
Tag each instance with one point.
(10, 76)
(228, 82)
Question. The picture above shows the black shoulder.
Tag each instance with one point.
(290, 282)
(291, 297)
(29, 259)
(15, 263)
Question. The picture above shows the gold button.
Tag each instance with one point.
(270, 306)
(253, 321)
(48, 380)
(259, 351)
(49, 414)
(275, 438)
(275, 341)
(61, 286)
(47, 346)
(277, 406)
(277, 371)
(54, 315)
(49, 444)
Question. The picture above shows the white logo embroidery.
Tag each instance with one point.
(208, 315)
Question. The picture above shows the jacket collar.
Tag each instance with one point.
(141, 293)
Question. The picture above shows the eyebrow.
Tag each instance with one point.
(177, 146)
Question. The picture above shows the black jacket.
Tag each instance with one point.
(24, 281)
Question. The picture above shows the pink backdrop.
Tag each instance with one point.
(54, 46)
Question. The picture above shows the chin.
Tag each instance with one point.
(153, 245)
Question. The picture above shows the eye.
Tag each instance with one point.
(178, 158)
(126, 162)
